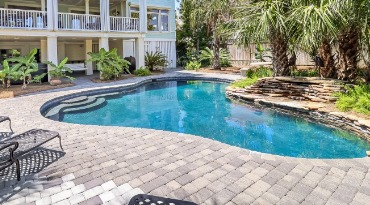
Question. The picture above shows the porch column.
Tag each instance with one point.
(104, 43)
(50, 14)
(52, 50)
(139, 52)
(88, 48)
(87, 6)
(143, 16)
(43, 51)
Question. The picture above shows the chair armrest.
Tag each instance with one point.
(12, 147)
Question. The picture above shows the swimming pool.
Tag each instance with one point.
(202, 109)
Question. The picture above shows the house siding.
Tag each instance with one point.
(168, 4)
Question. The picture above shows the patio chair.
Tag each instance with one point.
(20, 145)
(143, 199)
(5, 118)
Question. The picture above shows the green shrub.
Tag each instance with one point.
(253, 75)
(244, 83)
(356, 98)
(193, 65)
(142, 72)
(109, 63)
(305, 73)
(153, 60)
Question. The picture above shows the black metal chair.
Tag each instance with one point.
(143, 199)
(5, 118)
(12, 149)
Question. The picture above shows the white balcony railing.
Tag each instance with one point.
(79, 22)
(25, 19)
(124, 24)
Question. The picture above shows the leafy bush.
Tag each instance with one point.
(245, 82)
(253, 75)
(305, 73)
(24, 66)
(8, 73)
(60, 71)
(356, 98)
(225, 63)
(208, 57)
(153, 60)
(259, 72)
(193, 65)
(261, 53)
(109, 63)
(142, 72)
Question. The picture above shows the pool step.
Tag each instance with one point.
(108, 95)
(97, 103)
(75, 100)
(69, 104)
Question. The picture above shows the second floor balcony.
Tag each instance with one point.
(74, 18)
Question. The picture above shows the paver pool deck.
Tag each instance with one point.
(112, 164)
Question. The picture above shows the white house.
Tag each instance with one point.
(72, 28)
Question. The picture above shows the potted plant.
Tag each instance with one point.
(59, 72)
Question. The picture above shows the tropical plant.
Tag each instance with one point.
(356, 98)
(263, 21)
(211, 13)
(305, 73)
(207, 55)
(109, 63)
(7, 74)
(356, 27)
(38, 78)
(143, 71)
(155, 59)
(315, 24)
(193, 65)
(25, 66)
(60, 71)
(261, 53)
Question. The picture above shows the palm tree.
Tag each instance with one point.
(357, 17)
(212, 13)
(257, 21)
(315, 24)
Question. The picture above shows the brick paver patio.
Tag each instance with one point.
(112, 164)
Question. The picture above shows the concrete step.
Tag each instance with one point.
(75, 100)
(99, 102)
(55, 110)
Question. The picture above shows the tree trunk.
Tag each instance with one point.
(348, 54)
(216, 51)
(328, 71)
(279, 52)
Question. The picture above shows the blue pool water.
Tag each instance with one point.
(201, 108)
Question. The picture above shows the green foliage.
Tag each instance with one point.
(59, 71)
(143, 71)
(305, 73)
(208, 56)
(38, 78)
(193, 65)
(356, 98)
(253, 75)
(8, 74)
(260, 72)
(25, 66)
(109, 63)
(245, 82)
(154, 59)
(261, 53)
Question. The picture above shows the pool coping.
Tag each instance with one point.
(140, 82)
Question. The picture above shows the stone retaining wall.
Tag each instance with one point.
(340, 120)
(312, 89)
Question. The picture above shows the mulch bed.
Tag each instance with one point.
(228, 70)
(123, 77)
(31, 88)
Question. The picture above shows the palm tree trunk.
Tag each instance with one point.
(279, 52)
(216, 51)
(327, 57)
(348, 54)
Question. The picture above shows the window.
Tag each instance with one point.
(158, 20)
